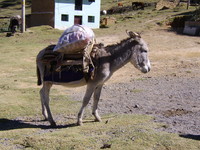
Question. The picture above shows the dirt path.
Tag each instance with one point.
(170, 92)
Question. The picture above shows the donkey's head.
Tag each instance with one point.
(139, 53)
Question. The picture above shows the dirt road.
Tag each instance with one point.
(170, 92)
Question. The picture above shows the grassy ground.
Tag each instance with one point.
(107, 4)
(20, 115)
(13, 7)
(20, 109)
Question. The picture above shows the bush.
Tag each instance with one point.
(196, 15)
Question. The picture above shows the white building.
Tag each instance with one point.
(70, 12)
(62, 14)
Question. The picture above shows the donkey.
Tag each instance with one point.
(110, 58)
(15, 23)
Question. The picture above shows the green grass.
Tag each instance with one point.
(13, 7)
(136, 90)
(107, 4)
(141, 20)
(18, 71)
(121, 132)
(19, 99)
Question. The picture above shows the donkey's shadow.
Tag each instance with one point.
(190, 136)
(7, 124)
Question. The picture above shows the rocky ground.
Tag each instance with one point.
(170, 92)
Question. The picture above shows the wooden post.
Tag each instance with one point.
(188, 4)
(23, 16)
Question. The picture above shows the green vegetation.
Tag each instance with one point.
(107, 4)
(19, 97)
(120, 132)
(196, 15)
(12, 7)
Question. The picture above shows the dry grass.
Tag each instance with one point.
(20, 117)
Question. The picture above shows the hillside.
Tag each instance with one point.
(140, 20)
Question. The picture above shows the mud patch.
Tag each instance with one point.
(175, 112)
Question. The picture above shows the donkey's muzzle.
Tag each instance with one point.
(145, 69)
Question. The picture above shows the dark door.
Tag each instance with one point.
(78, 20)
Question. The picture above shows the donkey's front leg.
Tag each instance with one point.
(44, 93)
(96, 97)
(86, 99)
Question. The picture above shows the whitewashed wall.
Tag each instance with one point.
(68, 7)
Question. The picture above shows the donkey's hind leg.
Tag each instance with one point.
(96, 97)
(44, 94)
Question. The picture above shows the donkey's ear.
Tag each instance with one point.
(133, 34)
(101, 45)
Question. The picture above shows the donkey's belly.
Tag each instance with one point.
(66, 78)
(72, 84)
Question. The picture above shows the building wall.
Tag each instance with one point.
(42, 19)
(42, 6)
(67, 9)
(42, 13)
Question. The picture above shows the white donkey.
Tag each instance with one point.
(110, 58)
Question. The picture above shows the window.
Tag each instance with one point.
(78, 4)
(91, 19)
(64, 17)
(91, 0)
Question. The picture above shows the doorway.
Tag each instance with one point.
(78, 20)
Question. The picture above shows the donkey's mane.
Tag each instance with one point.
(123, 43)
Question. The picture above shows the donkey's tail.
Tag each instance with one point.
(39, 81)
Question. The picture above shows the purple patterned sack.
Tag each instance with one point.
(75, 39)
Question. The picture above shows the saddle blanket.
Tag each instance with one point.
(64, 76)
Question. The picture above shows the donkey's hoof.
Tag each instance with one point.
(44, 119)
(97, 119)
(53, 124)
(79, 123)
